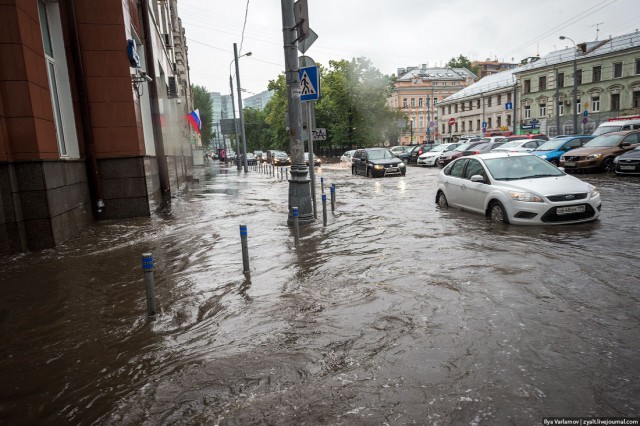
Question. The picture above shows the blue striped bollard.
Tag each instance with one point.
(147, 267)
(333, 197)
(296, 227)
(245, 249)
(322, 184)
(324, 209)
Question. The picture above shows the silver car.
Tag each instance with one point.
(517, 188)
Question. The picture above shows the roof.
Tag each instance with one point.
(593, 49)
(438, 73)
(490, 83)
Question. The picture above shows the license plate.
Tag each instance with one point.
(569, 164)
(570, 209)
(627, 167)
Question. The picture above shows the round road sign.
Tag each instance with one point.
(452, 121)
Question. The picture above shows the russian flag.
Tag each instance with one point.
(194, 119)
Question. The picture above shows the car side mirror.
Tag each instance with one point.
(625, 144)
(477, 178)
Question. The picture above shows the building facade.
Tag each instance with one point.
(607, 82)
(489, 67)
(485, 107)
(93, 99)
(417, 93)
(258, 101)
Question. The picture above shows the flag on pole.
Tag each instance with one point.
(194, 119)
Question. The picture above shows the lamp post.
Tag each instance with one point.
(575, 85)
(411, 130)
(233, 107)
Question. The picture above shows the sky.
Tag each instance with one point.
(392, 34)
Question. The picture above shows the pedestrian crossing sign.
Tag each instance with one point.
(309, 84)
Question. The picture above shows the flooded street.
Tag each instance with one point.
(397, 312)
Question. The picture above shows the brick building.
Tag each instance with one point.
(93, 97)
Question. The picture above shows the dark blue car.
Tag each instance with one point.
(552, 149)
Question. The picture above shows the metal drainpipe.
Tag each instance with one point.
(158, 140)
(93, 171)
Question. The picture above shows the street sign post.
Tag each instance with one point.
(452, 121)
(309, 84)
(319, 134)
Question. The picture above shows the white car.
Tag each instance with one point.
(346, 157)
(430, 158)
(521, 145)
(517, 188)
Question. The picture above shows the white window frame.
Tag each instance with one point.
(59, 85)
(578, 106)
(542, 110)
(527, 111)
(595, 104)
(561, 109)
(614, 69)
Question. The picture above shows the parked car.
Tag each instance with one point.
(251, 159)
(429, 158)
(617, 125)
(346, 157)
(598, 153)
(278, 158)
(482, 148)
(418, 150)
(316, 160)
(628, 163)
(449, 156)
(555, 147)
(530, 136)
(521, 145)
(397, 150)
(517, 188)
(377, 162)
(260, 156)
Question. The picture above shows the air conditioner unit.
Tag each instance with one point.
(172, 88)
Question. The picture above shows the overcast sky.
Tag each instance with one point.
(391, 33)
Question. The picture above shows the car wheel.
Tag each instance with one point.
(607, 165)
(370, 173)
(441, 200)
(353, 170)
(497, 213)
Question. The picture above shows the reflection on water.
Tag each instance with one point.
(397, 312)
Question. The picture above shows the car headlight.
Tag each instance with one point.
(378, 167)
(593, 191)
(615, 160)
(401, 165)
(544, 157)
(593, 156)
(525, 196)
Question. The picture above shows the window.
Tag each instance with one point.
(637, 66)
(595, 104)
(478, 125)
(617, 69)
(542, 82)
(470, 125)
(420, 102)
(442, 110)
(478, 104)
(542, 110)
(615, 101)
(456, 127)
(560, 80)
(578, 77)
(462, 106)
(527, 111)
(435, 101)
(489, 101)
(444, 129)
(527, 86)
(421, 121)
(499, 124)
(509, 97)
(449, 109)
(470, 105)
(474, 168)
(508, 120)
(489, 124)
(463, 126)
(455, 108)
(404, 103)
(499, 100)
(636, 99)
(597, 74)
(413, 102)
(578, 106)
(561, 109)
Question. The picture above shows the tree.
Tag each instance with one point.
(275, 111)
(462, 62)
(257, 130)
(202, 101)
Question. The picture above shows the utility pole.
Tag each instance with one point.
(235, 124)
(299, 191)
(244, 138)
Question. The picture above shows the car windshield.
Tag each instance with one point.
(513, 144)
(480, 146)
(606, 129)
(439, 148)
(280, 154)
(606, 140)
(463, 147)
(521, 167)
(379, 154)
(551, 145)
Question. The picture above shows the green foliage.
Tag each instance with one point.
(462, 62)
(257, 130)
(275, 115)
(203, 102)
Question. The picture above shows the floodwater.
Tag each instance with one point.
(396, 312)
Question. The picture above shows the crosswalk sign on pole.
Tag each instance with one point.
(309, 84)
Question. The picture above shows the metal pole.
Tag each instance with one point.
(558, 103)
(324, 209)
(311, 161)
(235, 124)
(333, 197)
(244, 139)
(575, 89)
(296, 227)
(322, 184)
(147, 267)
(299, 183)
(245, 249)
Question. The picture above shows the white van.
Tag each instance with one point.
(618, 125)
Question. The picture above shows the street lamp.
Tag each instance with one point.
(575, 85)
(244, 141)
(411, 130)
